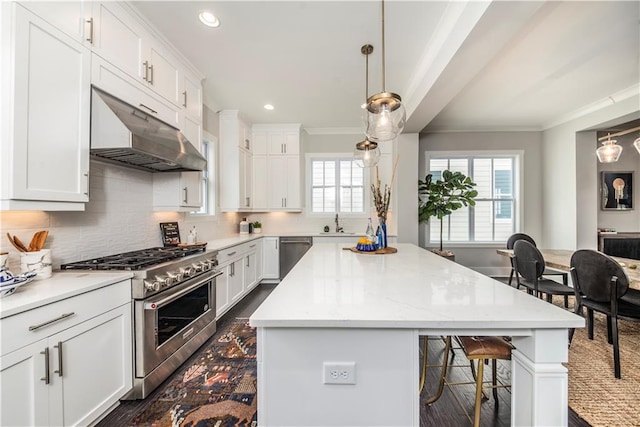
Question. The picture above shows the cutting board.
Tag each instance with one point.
(383, 251)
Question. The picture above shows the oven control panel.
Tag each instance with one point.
(177, 275)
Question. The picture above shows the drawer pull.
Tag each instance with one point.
(231, 253)
(49, 322)
(252, 246)
(47, 377)
(59, 347)
(150, 109)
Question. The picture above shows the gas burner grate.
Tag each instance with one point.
(135, 260)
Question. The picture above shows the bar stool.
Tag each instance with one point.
(476, 348)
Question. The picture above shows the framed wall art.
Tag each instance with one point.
(617, 190)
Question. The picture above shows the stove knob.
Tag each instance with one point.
(151, 286)
(163, 281)
(206, 265)
(186, 271)
(197, 267)
(175, 277)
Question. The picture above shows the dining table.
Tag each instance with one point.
(560, 259)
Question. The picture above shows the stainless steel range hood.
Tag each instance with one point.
(127, 136)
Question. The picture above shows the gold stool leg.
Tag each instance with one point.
(445, 363)
(476, 415)
(423, 367)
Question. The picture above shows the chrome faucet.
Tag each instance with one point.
(338, 228)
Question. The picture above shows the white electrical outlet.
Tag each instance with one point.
(339, 372)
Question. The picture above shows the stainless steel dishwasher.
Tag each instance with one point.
(291, 250)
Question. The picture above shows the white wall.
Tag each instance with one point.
(569, 218)
(407, 188)
(484, 258)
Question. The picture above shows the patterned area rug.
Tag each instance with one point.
(594, 392)
(217, 389)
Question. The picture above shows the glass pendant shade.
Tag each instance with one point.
(609, 152)
(636, 144)
(366, 154)
(384, 117)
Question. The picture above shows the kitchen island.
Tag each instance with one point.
(364, 314)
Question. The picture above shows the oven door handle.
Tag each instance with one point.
(154, 305)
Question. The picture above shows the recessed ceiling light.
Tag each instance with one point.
(268, 107)
(209, 19)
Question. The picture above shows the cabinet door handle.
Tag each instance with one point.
(90, 38)
(151, 74)
(185, 99)
(247, 261)
(185, 193)
(285, 148)
(285, 202)
(247, 144)
(276, 245)
(247, 203)
(146, 71)
(148, 108)
(86, 175)
(59, 347)
(47, 376)
(233, 269)
(49, 322)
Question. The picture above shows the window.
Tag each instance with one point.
(208, 177)
(337, 185)
(493, 217)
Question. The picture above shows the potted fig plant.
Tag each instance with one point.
(439, 198)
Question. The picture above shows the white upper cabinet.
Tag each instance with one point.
(74, 18)
(45, 115)
(276, 159)
(191, 96)
(119, 38)
(177, 191)
(161, 73)
(236, 163)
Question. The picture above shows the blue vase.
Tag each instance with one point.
(381, 234)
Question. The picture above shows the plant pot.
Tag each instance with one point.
(257, 230)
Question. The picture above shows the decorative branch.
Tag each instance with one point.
(382, 197)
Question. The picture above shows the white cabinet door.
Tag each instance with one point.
(250, 270)
(271, 258)
(192, 130)
(95, 358)
(260, 183)
(236, 281)
(246, 179)
(118, 38)
(292, 143)
(51, 94)
(162, 74)
(191, 92)
(260, 144)
(25, 396)
(259, 261)
(222, 290)
(276, 142)
(284, 183)
(71, 17)
(177, 191)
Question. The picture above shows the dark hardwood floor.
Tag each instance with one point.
(444, 412)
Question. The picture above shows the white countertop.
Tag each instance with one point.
(61, 285)
(414, 288)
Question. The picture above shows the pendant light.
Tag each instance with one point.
(366, 154)
(636, 144)
(384, 115)
(609, 152)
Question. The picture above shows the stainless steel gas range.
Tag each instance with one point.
(174, 307)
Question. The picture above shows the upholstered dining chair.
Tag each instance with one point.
(529, 266)
(547, 271)
(601, 285)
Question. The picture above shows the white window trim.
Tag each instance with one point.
(307, 187)
(518, 185)
(212, 164)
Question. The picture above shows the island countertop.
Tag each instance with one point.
(413, 288)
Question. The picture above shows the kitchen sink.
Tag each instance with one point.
(333, 233)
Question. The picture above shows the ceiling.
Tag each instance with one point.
(505, 65)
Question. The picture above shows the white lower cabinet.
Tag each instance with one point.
(239, 266)
(72, 376)
(271, 258)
